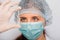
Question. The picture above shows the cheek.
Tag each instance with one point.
(42, 19)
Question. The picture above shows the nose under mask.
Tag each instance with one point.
(31, 30)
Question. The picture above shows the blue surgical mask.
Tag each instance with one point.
(32, 30)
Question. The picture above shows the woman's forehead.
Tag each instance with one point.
(29, 15)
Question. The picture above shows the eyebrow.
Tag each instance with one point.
(35, 17)
(23, 17)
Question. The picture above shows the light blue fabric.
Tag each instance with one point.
(31, 30)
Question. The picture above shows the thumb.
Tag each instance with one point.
(15, 25)
(7, 26)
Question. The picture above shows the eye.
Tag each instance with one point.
(35, 18)
(23, 19)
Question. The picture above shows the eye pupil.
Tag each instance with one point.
(35, 19)
(23, 20)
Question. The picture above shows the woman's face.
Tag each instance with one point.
(31, 17)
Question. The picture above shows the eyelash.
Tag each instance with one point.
(22, 19)
(35, 18)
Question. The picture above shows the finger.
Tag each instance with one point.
(0, 4)
(8, 27)
(12, 10)
(5, 2)
(11, 4)
(15, 26)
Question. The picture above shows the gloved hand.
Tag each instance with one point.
(7, 8)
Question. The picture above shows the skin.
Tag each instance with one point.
(31, 17)
(6, 11)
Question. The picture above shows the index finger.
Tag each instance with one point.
(5, 2)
